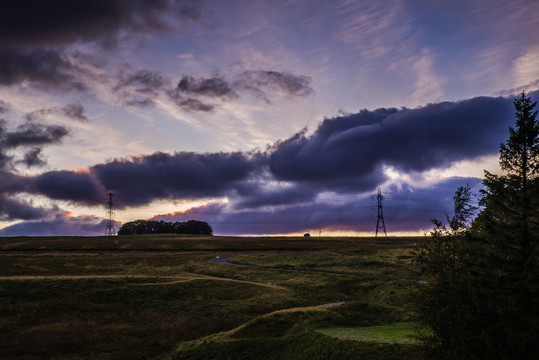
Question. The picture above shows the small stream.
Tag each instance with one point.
(226, 261)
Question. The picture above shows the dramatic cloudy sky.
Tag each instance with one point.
(257, 116)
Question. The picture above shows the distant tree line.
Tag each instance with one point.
(163, 227)
(480, 294)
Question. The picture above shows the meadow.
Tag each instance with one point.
(196, 297)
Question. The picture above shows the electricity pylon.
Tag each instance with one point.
(380, 224)
(110, 230)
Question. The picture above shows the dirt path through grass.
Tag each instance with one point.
(204, 277)
(174, 279)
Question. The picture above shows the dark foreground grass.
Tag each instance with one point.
(121, 317)
(291, 334)
(162, 297)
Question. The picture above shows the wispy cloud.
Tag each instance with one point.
(428, 86)
(526, 67)
(71, 111)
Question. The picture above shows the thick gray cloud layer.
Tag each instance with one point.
(67, 185)
(344, 155)
(140, 180)
(411, 140)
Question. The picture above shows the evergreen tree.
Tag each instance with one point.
(508, 228)
(482, 296)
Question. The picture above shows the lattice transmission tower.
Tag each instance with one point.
(110, 230)
(380, 223)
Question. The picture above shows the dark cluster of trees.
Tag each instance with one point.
(163, 227)
(480, 299)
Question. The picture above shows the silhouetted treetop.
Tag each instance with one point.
(163, 227)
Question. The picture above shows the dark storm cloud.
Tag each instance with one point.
(68, 185)
(61, 225)
(139, 180)
(259, 82)
(410, 140)
(46, 69)
(60, 22)
(216, 87)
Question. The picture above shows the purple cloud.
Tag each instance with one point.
(139, 180)
(356, 146)
(260, 82)
(140, 88)
(71, 186)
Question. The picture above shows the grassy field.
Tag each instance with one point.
(189, 297)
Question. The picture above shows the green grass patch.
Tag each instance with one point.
(401, 333)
